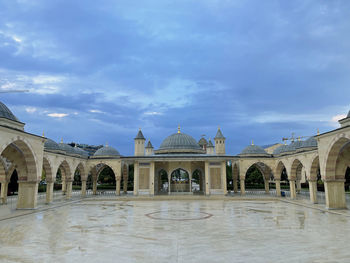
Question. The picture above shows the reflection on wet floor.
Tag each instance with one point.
(177, 231)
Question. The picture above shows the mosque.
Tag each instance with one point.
(180, 166)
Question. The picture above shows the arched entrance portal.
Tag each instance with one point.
(180, 181)
(161, 182)
(198, 182)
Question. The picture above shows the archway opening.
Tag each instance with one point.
(198, 182)
(254, 178)
(77, 180)
(162, 183)
(106, 179)
(347, 180)
(180, 181)
(13, 184)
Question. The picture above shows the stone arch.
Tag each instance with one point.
(81, 168)
(332, 155)
(343, 162)
(295, 171)
(66, 171)
(315, 165)
(278, 169)
(3, 172)
(48, 170)
(201, 180)
(181, 168)
(30, 170)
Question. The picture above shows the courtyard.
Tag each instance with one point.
(202, 230)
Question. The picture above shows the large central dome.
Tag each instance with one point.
(179, 143)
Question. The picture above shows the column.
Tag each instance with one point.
(298, 186)
(49, 192)
(69, 189)
(190, 180)
(151, 178)
(4, 190)
(27, 195)
(293, 194)
(242, 187)
(278, 187)
(207, 178)
(335, 194)
(83, 188)
(169, 182)
(223, 177)
(267, 187)
(64, 187)
(94, 186)
(313, 191)
(235, 184)
(117, 187)
(136, 178)
(125, 177)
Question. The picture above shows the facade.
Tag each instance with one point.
(181, 165)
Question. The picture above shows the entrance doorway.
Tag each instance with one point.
(180, 181)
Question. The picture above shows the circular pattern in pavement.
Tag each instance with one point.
(178, 215)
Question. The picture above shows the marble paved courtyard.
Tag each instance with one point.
(176, 231)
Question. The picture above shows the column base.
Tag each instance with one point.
(335, 194)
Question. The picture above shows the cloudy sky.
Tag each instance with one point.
(99, 70)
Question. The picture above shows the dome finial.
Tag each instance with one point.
(252, 142)
(178, 129)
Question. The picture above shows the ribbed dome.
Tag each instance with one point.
(309, 143)
(51, 145)
(81, 152)
(66, 148)
(293, 146)
(280, 149)
(6, 113)
(180, 142)
(107, 151)
(253, 150)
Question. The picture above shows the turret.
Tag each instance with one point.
(219, 143)
(139, 144)
(149, 148)
(210, 147)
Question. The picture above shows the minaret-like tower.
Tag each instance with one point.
(139, 144)
(149, 148)
(210, 147)
(219, 143)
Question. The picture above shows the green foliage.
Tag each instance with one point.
(254, 178)
(106, 176)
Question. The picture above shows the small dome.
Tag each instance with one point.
(6, 113)
(180, 142)
(81, 152)
(293, 146)
(280, 149)
(66, 148)
(253, 150)
(51, 145)
(348, 114)
(309, 143)
(107, 151)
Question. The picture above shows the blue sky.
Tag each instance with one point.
(99, 70)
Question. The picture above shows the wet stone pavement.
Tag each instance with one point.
(176, 231)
